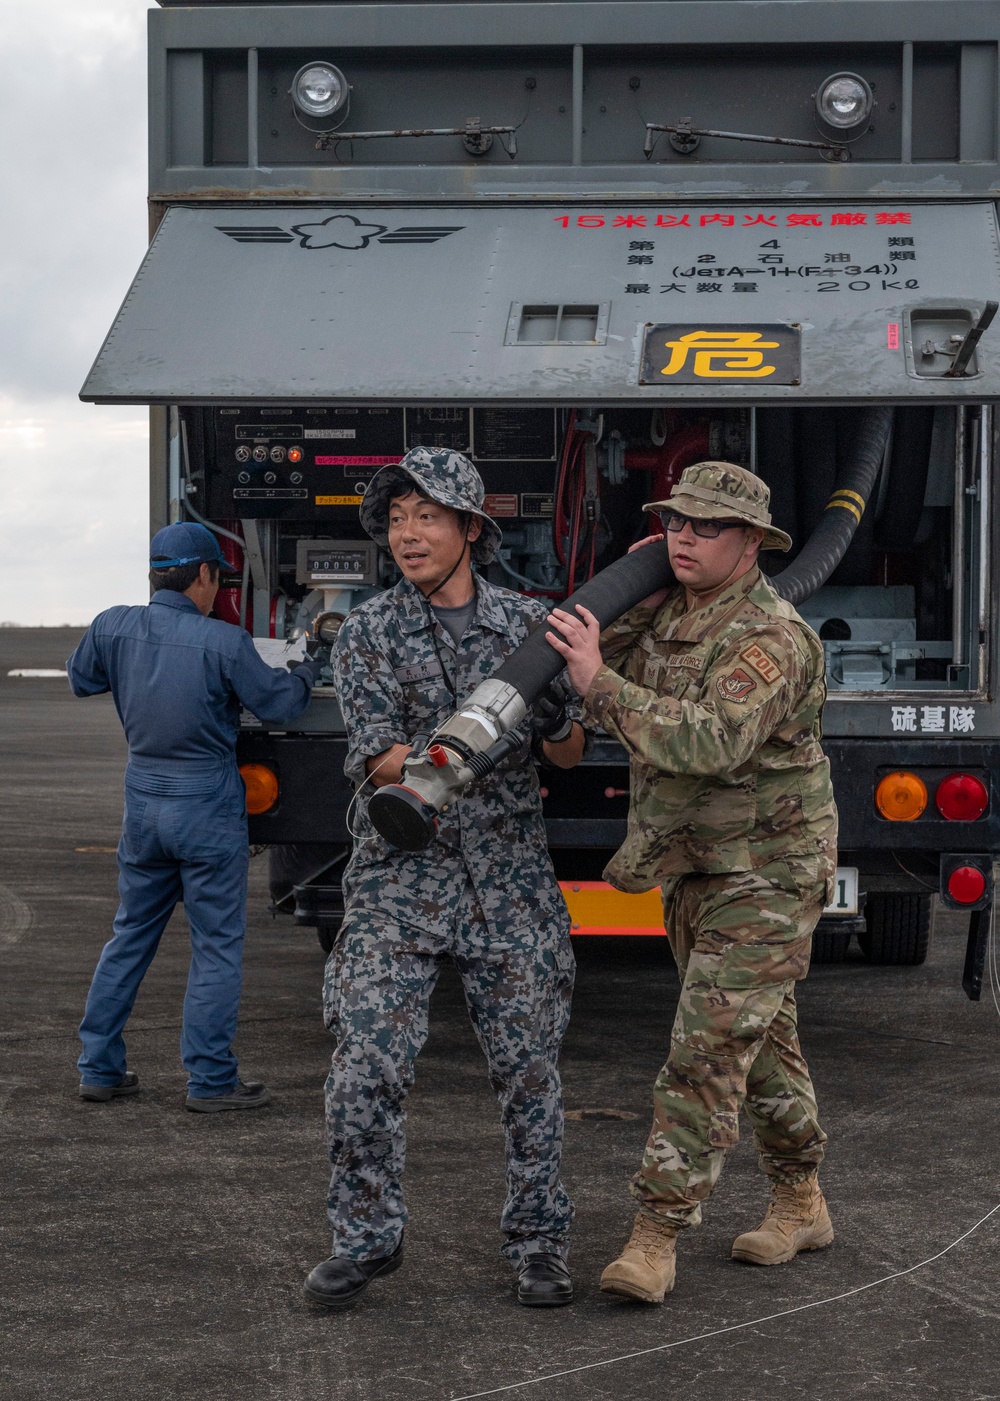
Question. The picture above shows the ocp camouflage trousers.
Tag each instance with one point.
(740, 942)
(379, 979)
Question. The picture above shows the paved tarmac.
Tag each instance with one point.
(150, 1253)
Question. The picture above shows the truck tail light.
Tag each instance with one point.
(262, 787)
(901, 796)
(961, 798)
(966, 885)
(966, 880)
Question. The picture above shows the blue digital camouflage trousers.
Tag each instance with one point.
(379, 979)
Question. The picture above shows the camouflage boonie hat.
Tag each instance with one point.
(442, 476)
(723, 491)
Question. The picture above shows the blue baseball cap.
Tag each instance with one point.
(184, 543)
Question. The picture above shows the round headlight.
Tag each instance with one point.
(844, 101)
(319, 89)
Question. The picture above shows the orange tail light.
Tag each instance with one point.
(901, 797)
(261, 785)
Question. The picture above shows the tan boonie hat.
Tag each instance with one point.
(723, 491)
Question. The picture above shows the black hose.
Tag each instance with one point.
(828, 543)
(608, 595)
(909, 465)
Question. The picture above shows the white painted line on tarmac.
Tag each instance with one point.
(31, 672)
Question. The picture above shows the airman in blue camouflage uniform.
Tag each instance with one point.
(715, 687)
(483, 893)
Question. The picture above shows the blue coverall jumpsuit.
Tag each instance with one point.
(178, 680)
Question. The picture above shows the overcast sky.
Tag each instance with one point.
(73, 519)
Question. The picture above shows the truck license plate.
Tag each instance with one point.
(845, 896)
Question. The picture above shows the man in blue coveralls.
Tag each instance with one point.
(178, 678)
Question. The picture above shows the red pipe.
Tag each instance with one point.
(666, 463)
(227, 600)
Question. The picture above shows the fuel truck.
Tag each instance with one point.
(588, 245)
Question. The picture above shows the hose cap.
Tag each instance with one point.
(402, 817)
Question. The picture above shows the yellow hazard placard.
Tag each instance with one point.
(721, 354)
(339, 500)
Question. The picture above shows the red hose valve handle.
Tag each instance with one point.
(438, 756)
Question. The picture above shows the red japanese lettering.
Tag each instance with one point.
(629, 221)
(673, 221)
(590, 221)
(885, 218)
(726, 220)
(800, 220)
(771, 220)
(847, 218)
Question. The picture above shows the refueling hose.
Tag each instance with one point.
(828, 543)
(608, 595)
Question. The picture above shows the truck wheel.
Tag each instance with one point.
(327, 936)
(898, 929)
(830, 944)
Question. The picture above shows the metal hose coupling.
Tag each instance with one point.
(467, 746)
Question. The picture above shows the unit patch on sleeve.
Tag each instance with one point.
(736, 686)
(763, 664)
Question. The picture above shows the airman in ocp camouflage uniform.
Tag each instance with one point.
(715, 687)
(483, 893)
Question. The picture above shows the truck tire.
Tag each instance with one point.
(830, 944)
(898, 930)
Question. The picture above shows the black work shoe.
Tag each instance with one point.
(243, 1097)
(127, 1085)
(338, 1283)
(543, 1282)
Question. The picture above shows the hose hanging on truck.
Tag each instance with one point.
(474, 740)
(829, 542)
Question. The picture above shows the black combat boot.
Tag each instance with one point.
(543, 1282)
(338, 1283)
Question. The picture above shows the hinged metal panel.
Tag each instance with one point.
(389, 304)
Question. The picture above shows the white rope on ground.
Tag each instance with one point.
(993, 964)
(733, 1327)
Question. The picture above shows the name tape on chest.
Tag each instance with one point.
(736, 686)
(763, 664)
(687, 661)
(423, 672)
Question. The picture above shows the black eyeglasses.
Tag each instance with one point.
(708, 529)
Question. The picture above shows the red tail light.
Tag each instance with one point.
(961, 798)
(966, 885)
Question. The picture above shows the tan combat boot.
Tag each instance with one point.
(647, 1266)
(797, 1219)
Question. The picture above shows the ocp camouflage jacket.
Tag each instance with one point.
(719, 709)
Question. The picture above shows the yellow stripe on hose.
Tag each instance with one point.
(837, 499)
(854, 497)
